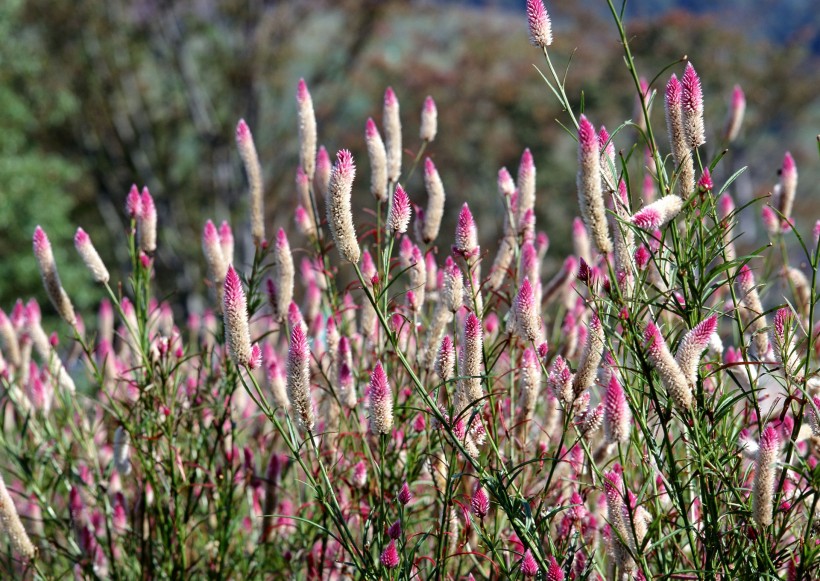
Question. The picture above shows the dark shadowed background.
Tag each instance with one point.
(95, 96)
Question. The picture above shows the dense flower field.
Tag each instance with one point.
(369, 397)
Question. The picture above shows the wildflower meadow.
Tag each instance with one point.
(369, 396)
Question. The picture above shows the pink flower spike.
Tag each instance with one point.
(658, 213)
(692, 346)
(466, 234)
(405, 496)
(90, 257)
(390, 556)
(399, 217)
(642, 257)
(737, 110)
(771, 221)
(302, 93)
(394, 530)
(235, 314)
(429, 120)
(506, 185)
(816, 232)
(529, 566)
(480, 503)
(132, 202)
(693, 107)
(586, 134)
(539, 23)
(554, 571)
(705, 181)
(617, 416)
(381, 402)
(674, 91)
(256, 357)
(524, 308)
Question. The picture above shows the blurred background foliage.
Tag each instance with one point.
(95, 96)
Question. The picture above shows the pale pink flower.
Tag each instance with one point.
(658, 213)
(253, 169)
(429, 120)
(466, 235)
(339, 212)
(539, 22)
(752, 310)
(392, 134)
(398, 217)
(51, 278)
(672, 377)
(527, 325)
(590, 195)
(298, 378)
(590, 357)
(608, 168)
(705, 182)
(737, 110)
(526, 184)
(12, 526)
(322, 175)
(381, 402)
(446, 359)
(692, 101)
(214, 256)
(771, 221)
(307, 129)
(765, 473)
(305, 223)
(235, 316)
(435, 202)
(284, 274)
(226, 241)
(132, 202)
(378, 161)
(788, 185)
(90, 257)
(469, 388)
(677, 136)
(693, 344)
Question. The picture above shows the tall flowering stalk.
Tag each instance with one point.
(298, 379)
(681, 147)
(590, 195)
(250, 159)
(307, 129)
(235, 317)
(381, 402)
(765, 473)
(392, 132)
(51, 278)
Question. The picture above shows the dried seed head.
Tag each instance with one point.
(250, 159)
(381, 402)
(90, 257)
(307, 129)
(339, 213)
(590, 195)
(378, 161)
(392, 134)
(429, 120)
(298, 381)
(51, 279)
(399, 216)
(539, 23)
(235, 316)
